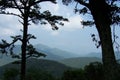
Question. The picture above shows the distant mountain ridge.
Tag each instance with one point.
(52, 53)
(40, 48)
(79, 62)
(99, 55)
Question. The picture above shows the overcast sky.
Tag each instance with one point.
(72, 37)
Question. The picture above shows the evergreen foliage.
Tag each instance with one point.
(93, 71)
(29, 12)
(11, 74)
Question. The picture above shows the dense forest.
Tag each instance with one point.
(92, 71)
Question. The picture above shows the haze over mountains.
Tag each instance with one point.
(52, 53)
(58, 55)
(56, 62)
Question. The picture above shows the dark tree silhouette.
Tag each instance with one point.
(105, 13)
(10, 74)
(6, 47)
(29, 12)
(94, 71)
(77, 74)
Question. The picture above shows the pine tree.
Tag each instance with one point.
(29, 12)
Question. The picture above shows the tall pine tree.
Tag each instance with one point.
(29, 12)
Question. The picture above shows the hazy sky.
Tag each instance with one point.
(70, 37)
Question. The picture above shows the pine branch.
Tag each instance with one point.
(7, 13)
(18, 7)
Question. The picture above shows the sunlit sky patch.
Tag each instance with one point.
(71, 37)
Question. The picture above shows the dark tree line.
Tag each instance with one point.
(93, 71)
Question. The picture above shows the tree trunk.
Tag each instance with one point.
(24, 45)
(100, 11)
(108, 56)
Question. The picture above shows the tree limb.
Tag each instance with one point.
(53, 1)
(12, 14)
(18, 7)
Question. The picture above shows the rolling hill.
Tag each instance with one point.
(99, 55)
(53, 67)
(52, 53)
(79, 62)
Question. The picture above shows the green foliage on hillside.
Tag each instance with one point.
(74, 75)
(10, 74)
(56, 69)
(32, 74)
(93, 71)
(79, 62)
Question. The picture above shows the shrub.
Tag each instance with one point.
(10, 74)
(34, 74)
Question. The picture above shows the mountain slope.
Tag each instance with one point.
(99, 55)
(79, 62)
(58, 53)
(53, 67)
(52, 53)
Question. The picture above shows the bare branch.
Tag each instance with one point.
(18, 7)
(53, 1)
(12, 14)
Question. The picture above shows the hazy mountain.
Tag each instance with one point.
(53, 67)
(99, 55)
(47, 50)
(79, 62)
(94, 54)
(5, 60)
(54, 53)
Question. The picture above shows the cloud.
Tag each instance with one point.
(12, 25)
(74, 23)
(13, 10)
(9, 25)
(53, 8)
(55, 33)
(6, 32)
(65, 11)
